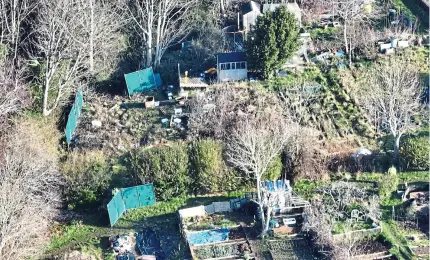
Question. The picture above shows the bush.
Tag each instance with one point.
(274, 170)
(388, 183)
(207, 166)
(87, 176)
(415, 153)
(166, 167)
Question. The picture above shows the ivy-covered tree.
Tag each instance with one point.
(272, 42)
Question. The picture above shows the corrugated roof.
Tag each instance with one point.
(250, 7)
(231, 57)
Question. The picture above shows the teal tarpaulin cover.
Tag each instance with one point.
(130, 198)
(140, 81)
(158, 80)
(75, 112)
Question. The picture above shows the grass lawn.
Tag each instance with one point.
(397, 241)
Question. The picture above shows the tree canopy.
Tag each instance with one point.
(272, 42)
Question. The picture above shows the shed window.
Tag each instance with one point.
(222, 66)
(227, 66)
(233, 66)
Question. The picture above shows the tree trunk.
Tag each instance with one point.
(149, 49)
(266, 226)
(91, 54)
(157, 44)
(396, 151)
(260, 202)
(345, 39)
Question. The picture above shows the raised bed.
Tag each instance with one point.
(221, 251)
(294, 249)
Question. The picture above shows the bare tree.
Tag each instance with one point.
(15, 93)
(312, 10)
(62, 46)
(392, 94)
(210, 114)
(351, 12)
(101, 22)
(330, 209)
(252, 146)
(13, 13)
(29, 194)
(159, 24)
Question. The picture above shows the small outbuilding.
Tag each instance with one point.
(249, 13)
(231, 66)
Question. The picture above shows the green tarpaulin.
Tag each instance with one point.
(130, 198)
(140, 81)
(75, 112)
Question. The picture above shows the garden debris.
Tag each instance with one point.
(96, 123)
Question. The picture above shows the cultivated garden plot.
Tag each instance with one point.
(111, 125)
(285, 249)
(217, 221)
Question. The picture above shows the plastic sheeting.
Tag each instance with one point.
(191, 212)
(148, 243)
(140, 81)
(116, 208)
(270, 186)
(130, 198)
(206, 237)
(75, 112)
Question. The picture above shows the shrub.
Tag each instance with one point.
(388, 183)
(87, 177)
(415, 153)
(207, 166)
(274, 170)
(166, 167)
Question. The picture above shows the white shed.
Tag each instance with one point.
(231, 66)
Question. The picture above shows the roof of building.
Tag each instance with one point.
(231, 57)
(250, 6)
(291, 7)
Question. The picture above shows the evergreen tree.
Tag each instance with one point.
(272, 42)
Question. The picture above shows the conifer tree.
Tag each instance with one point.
(272, 42)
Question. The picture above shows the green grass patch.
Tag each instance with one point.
(76, 233)
(403, 176)
(392, 235)
(306, 188)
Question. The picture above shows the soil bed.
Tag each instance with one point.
(371, 247)
(236, 233)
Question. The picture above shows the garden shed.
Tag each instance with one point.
(231, 66)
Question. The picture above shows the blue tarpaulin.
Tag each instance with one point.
(270, 186)
(206, 237)
(158, 80)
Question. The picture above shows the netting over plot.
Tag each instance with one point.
(206, 237)
(72, 121)
(140, 81)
